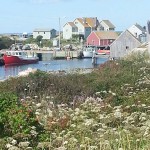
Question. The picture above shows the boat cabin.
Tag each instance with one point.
(19, 54)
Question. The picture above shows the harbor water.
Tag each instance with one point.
(52, 65)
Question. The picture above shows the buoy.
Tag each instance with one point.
(68, 58)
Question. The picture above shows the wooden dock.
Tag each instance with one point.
(48, 55)
(52, 54)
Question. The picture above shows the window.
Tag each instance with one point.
(127, 47)
(44, 32)
(73, 29)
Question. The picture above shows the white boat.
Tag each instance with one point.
(89, 51)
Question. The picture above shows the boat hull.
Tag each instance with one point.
(15, 60)
(87, 54)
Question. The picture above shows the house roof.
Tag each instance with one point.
(129, 33)
(43, 30)
(140, 27)
(72, 24)
(106, 34)
(92, 22)
(132, 35)
(108, 23)
(83, 22)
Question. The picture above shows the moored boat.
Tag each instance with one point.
(103, 52)
(19, 58)
(89, 51)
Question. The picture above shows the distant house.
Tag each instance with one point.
(81, 27)
(69, 30)
(46, 33)
(123, 45)
(101, 38)
(25, 35)
(138, 31)
(106, 25)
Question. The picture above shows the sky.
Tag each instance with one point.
(18, 16)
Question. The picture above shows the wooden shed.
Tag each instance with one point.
(123, 45)
(101, 38)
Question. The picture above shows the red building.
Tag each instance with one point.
(101, 38)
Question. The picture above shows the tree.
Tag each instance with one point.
(39, 38)
(5, 42)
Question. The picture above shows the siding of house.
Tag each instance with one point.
(92, 39)
(87, 32)
(80, 26)
(67, 32)
(139, 32)
(101, 38)
(123, 45)
(135, 31)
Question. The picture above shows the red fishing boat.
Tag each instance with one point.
(19, 58)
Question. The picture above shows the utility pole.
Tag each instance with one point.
(60, 30)
(59, 34)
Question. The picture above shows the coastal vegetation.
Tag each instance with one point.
(107, 109)
(6, 41)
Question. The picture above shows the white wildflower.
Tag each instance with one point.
(65, 142)
(88, 122)
(38, 105)
(37, 113)
(13, 142)
(8, 145)
(93, 147)
(50, 113)
(117, 113)
(73, 125)
(114, 94)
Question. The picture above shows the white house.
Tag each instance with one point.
(106, 25)
(80, 26)
(138, 31)
(45, 33)
(69, 29)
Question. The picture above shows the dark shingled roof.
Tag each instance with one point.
(43, 30)
(140, 27)
(108, 23)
